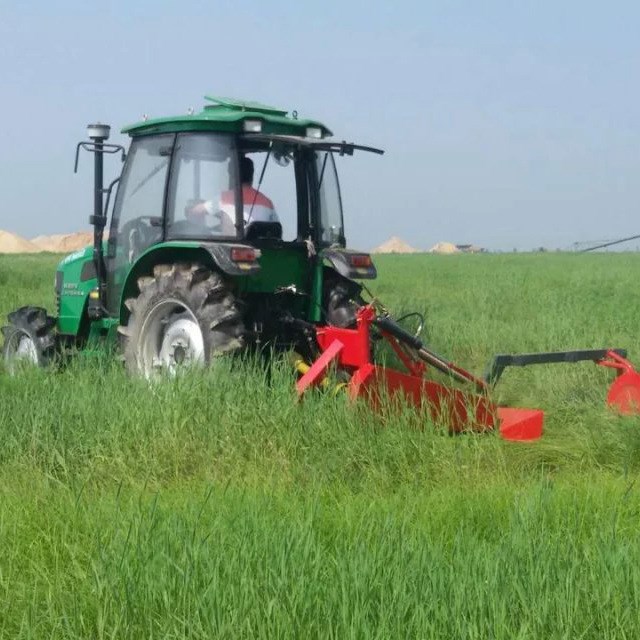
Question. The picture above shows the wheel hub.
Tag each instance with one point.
(179, 354)
(170, 339)
(182, 343)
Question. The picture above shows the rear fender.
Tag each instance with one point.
(216, 256)
(348, 263)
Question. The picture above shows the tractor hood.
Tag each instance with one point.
(80, 264)
(77, 256)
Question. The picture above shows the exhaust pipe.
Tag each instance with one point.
(98, 134)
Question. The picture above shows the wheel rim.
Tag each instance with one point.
(170, 339)
(21, 350)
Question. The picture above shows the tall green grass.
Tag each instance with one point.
(480, 562)
(214, 505)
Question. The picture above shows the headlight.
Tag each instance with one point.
(314, 132)
(252, 126)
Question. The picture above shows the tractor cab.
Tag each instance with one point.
(242, 190)
(235, 173)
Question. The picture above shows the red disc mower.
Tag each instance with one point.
(349, 349)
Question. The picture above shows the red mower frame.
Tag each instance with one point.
(350, 350)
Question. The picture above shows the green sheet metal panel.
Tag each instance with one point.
(228, 115)
(78, 279)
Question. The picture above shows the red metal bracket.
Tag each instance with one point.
(614, 360)
(624, 392)
(416, 368)
(319, 368)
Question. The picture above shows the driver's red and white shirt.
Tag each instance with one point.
(256, 207)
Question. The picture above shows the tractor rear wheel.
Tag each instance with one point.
(29, 338)
(342, 298)
(184, 316)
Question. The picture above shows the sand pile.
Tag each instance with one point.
(444, 247)
(11, 243)
(395, 245)
(57, 243)
(64, 242)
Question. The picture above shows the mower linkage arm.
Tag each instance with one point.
(502, 361)
(389, 326)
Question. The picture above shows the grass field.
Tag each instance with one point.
(214, 506)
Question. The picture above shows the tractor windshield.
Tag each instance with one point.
(313, 175)
(290, 190)
(331, 225)
(202, 189)
(269, 191)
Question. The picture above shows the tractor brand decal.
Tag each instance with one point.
(71, 289)
(74, 256)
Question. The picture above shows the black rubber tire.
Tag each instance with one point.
(34, 324)
(200, 290)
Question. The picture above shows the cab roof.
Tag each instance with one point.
(228, 115)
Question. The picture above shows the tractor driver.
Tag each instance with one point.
(256, 207)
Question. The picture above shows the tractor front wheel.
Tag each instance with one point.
(29, 338)
(184, 316)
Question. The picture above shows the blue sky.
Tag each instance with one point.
(506, 124)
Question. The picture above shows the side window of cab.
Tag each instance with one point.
(137, 215)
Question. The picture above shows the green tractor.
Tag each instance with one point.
(198, 261)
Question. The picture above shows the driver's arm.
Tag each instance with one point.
(208, 208)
